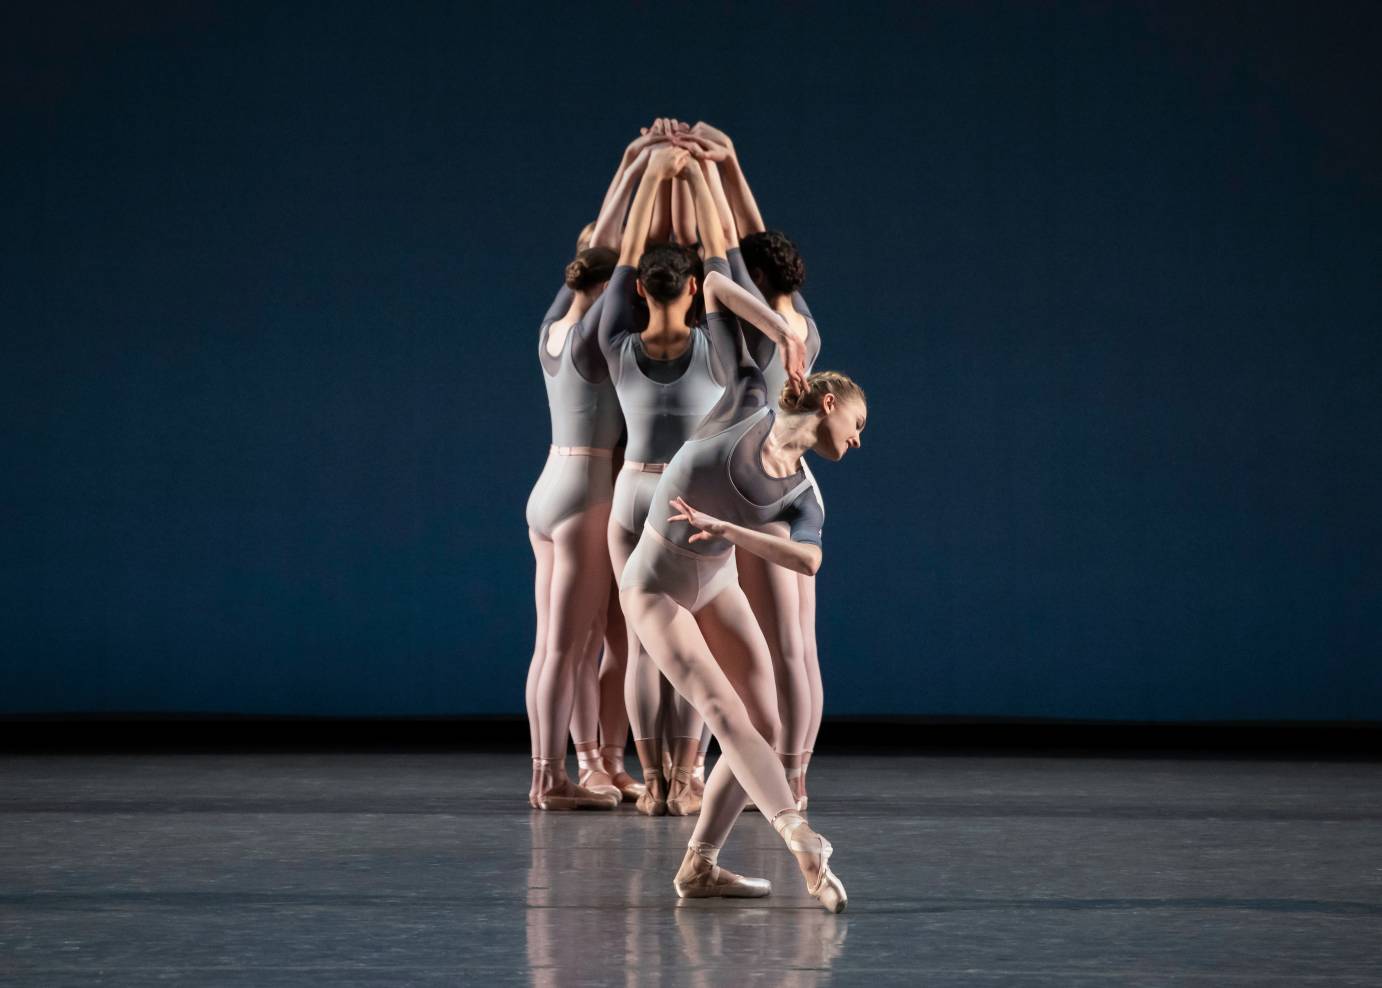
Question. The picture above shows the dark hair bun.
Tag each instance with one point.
(590, 267)
(774, 255)
(663, 270)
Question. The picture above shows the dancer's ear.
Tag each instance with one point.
(827, 403)
(638, 286)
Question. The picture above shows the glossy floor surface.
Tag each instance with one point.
(416, 868)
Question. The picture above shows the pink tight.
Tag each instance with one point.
(573, 579)
(655, 710)
(718, 660)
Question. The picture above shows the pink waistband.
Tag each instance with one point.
(644, 467)
(682, 550)
(606, 454)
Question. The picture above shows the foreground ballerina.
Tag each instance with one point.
(768, 265)
(740, 472)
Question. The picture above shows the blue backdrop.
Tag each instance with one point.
(1109, 273)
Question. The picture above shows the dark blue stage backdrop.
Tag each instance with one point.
(1109, 272)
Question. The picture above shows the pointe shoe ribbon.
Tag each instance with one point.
(652, 801)
(682, 798)
(579, 798)
(709, 881)
(827, 889)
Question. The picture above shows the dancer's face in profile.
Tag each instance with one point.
(840, 426)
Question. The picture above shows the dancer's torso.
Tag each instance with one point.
(580, 396)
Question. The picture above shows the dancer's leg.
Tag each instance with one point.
(585, 707)
(736, 640)
(642, 692)
(676, 643)
(579, 547)
(542, 554)
(806, 587)
(772, 592)
(614, 714)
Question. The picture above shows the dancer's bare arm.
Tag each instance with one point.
(608, 225)
(722, 293)
(746, 215)
(707, 215)
(663, 163)
(801, 557)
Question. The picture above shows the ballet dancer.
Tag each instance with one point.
(769, 265)
(740, 472)
(667, 376)
(568, 510)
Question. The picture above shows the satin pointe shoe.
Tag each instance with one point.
(682, 798)
(701, 878)
(567, 796)
(592, 774)
(827, 888)
(653, 801)
(629, 788)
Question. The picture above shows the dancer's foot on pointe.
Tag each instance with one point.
(682, 798)
(556, 791)
(629, 787)
(653, 801)
(699, 877)
(698, 776)
(812, 852)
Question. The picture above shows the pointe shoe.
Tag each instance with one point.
(827, 888)
(682, 798)
(653, 800)
(701, 878)
(565, 794)
(580, 799)
(592, 779)
(629, 790)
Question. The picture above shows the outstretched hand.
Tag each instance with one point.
(709, 526)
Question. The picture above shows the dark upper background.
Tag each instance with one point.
(272, 408)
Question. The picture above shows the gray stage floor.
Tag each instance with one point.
(345, 869)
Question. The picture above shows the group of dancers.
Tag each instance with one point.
(676, 526)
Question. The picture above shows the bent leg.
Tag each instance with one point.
(737, 643)
(676, 643)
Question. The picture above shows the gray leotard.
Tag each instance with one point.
(662, 400)
(764, 350)
(585, 415)
(580, 395)
(720, 471)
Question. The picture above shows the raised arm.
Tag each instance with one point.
(607, 226)
(660, 229)
(707, 215)
(684, 223)
(746, 215)
(662, 165)
(721, 294)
